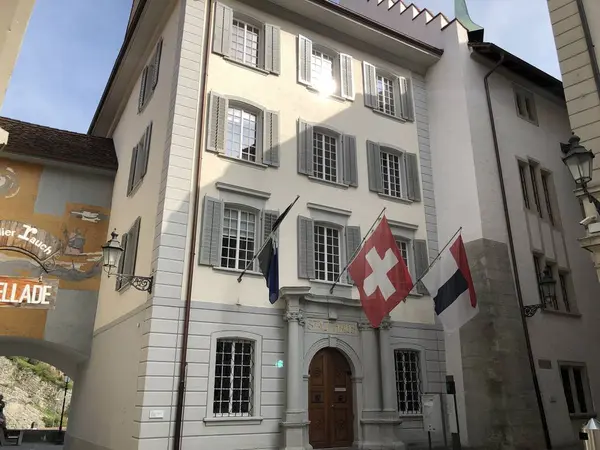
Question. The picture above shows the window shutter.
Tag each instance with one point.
(412, 177)
(139, 161)
(269, 218)
(306, 248)
(143, 81)
(370, 85)
(146, 151)
(222, 30)
(347, 76)
(304, 60)
(156, 64)
(271, 139)
(398, 109)
(374, 167)
(406, 95)
(421, 263)
(305, 148)
(119, 282)
(217, 123)
(210, 240)
(272, 49)
(132, 244)
(350, 163)
(131, 180)
(352, 243)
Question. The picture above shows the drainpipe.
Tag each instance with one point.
(589, 44)
(513, 257)
(192, 257)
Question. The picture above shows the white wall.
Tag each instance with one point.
(282, 93)
(129, 130)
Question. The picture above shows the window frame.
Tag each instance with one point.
(260, 36)
(570, 366)
(423, 383)
(258, 238)
(341, 229)
(339, 168)
(402, 92)
(409, 171)
(402, 169)
(399, 239)
(523, 166)
(255, 418)
(259, 113)
(533, 170)
(519, 93)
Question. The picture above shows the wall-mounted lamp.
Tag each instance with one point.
(111, 254)
(548, 288)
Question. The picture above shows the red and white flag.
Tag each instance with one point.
(380, 274)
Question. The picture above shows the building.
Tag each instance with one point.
(574, 23)
(14, 17)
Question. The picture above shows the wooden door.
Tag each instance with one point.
(330, 409)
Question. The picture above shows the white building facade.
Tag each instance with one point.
(221, 114)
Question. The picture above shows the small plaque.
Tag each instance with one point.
(340, 389)
(331, 327)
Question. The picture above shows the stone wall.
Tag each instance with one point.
(28, 397)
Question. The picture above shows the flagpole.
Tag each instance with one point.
(438, 256)
(239, 279)
(356, 251)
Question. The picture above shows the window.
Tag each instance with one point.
(323, 248)
(388, 93)
(149, 78)
(563, 299)
(403, 247)
(241, 134)
(129, 243)
(408, 381)
(325, 69)
(393, 173)
(239, 238)
(576, 389)
(243, 131)
(245, 40)
(327, 155)
(139, 161)
(564, 279)
(327, 253)
(538, 275)
(551, 302)
(525, 104)
(545, 182)
(234, 378)
(536, 194)
(524, 190)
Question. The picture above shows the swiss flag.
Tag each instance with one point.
(380, 274)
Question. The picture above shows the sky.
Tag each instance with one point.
(70, 47)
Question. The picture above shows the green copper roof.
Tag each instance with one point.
(461, 12)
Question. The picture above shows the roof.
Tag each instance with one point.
(519, 67)
(28, 139)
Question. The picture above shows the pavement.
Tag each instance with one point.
(39, 446)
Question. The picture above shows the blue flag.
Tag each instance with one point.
(268, 261)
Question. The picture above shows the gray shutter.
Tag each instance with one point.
(139, 161)
(132, 165)
(272, 49)
(353, 239)
(271, 139)
(347, 76)
(397, 97)
(156, 64)
(406, 93)
(217, 123)
(304, 60)
(119, 282)
(349, 158)
(146, 151)
(143, 81)
(222, 30)
(305, 148)
(132, 246)
(370, 85)
(421, 263)
(269, 218)
(374, 167)
(306, 248)
(210, 240)
(412, 177)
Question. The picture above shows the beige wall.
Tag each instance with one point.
(128, 131)
(14, 17)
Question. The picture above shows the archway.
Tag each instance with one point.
(330, 400)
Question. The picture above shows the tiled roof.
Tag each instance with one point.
(28, 139)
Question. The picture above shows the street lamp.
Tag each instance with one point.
(111, 255)
(579, 161)
(547, 286)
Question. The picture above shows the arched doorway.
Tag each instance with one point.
(330, 405)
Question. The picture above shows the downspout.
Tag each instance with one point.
(589, 43)
(513, 257)
(192, 257)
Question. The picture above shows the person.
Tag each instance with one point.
(2, 416)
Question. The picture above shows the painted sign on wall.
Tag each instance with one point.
(28, 292)
(23, 236)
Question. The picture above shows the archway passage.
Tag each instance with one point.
(330, 406)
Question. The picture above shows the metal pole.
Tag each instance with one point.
(429, 439)
(62, 414)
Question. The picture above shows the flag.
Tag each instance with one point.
(268, 257)
(450, 284)
(380, 274)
